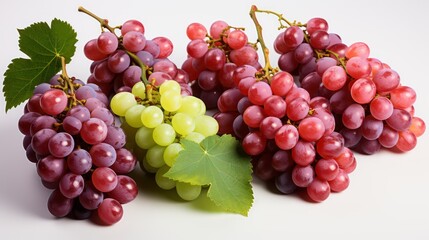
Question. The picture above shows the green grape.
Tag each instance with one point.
(152, 116)
(171, 153)
(183, 124)
(139, 90)
(206, 125)
(154, 156)
(170, 85)
(171, 101)
(195, 137)
(121, 102)
(192, 106)
(187, 191)
(133, 116)
(164, 182)
(146, 167)
(164, 134)
(144, 138)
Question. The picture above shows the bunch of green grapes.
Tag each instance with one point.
(158, 118)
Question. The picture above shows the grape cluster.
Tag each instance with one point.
(79, 152)
(290, 137)
(372, 108)
(120, 62)
(158, 117)
(212, 58)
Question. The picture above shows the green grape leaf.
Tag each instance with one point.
(218, 162)
(45, 46)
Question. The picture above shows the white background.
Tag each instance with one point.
(388, 197)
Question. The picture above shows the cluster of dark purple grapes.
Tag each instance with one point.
(78, 151)
(121, 62)
(299, 124)
(212, 58)
(372, 108)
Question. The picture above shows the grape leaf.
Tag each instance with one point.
(45, 46)
(218, 162)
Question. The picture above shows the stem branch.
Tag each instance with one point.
(103, 22)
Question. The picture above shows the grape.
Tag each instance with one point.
(284, 183)
(363, 90)
(286, 137)
(237, 39)
(386, 80)
(340, 183)
(381, 108)
(51, 169)
(297, 109)
(275, 106)
(25, 122)
(154, 156)
(400, 120)
(407, 141)
(115, 137)
(125, 191)
(318, 190)
(214, 59)
(71, 185)
(171, 101)
(132, 25)
(319, 39)
(42, 122)
(371, 128)
(104, 179)
(330, 146)
(196, 31)
(253, 116)
(358, 49)
(402, 97)
(171, 152)
(102, 155)
(311, 129)
(254, 143)
(417, 126)
(94, 131)
(187, 191)
(303, 53)
(259, 92)
(119, 62)
(353, 116)
(302, 176)
(388, 137)
(269, 126)
(316, 24)
(303, 153)
(358, 67)
(165, 46)
(327, 169)
(143, 138)
(53, 102)
(281, 83)
(110, 211)
(334, 78)
(206, 125)
(164, 182)
(152, 116)
(72, 125)
(91, 198)
(133, 116)
(61, 145)
(125, 161)
(92, 52)
(79, 161)
(121, 102)
(282, 161)
(164, 134)
(58, 205)
(107, 42)
(40, 141)
(134, 41)
(293, 36)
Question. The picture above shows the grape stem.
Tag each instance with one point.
(268, 70)
(281, 19)
(103, 22)
(68, 85)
